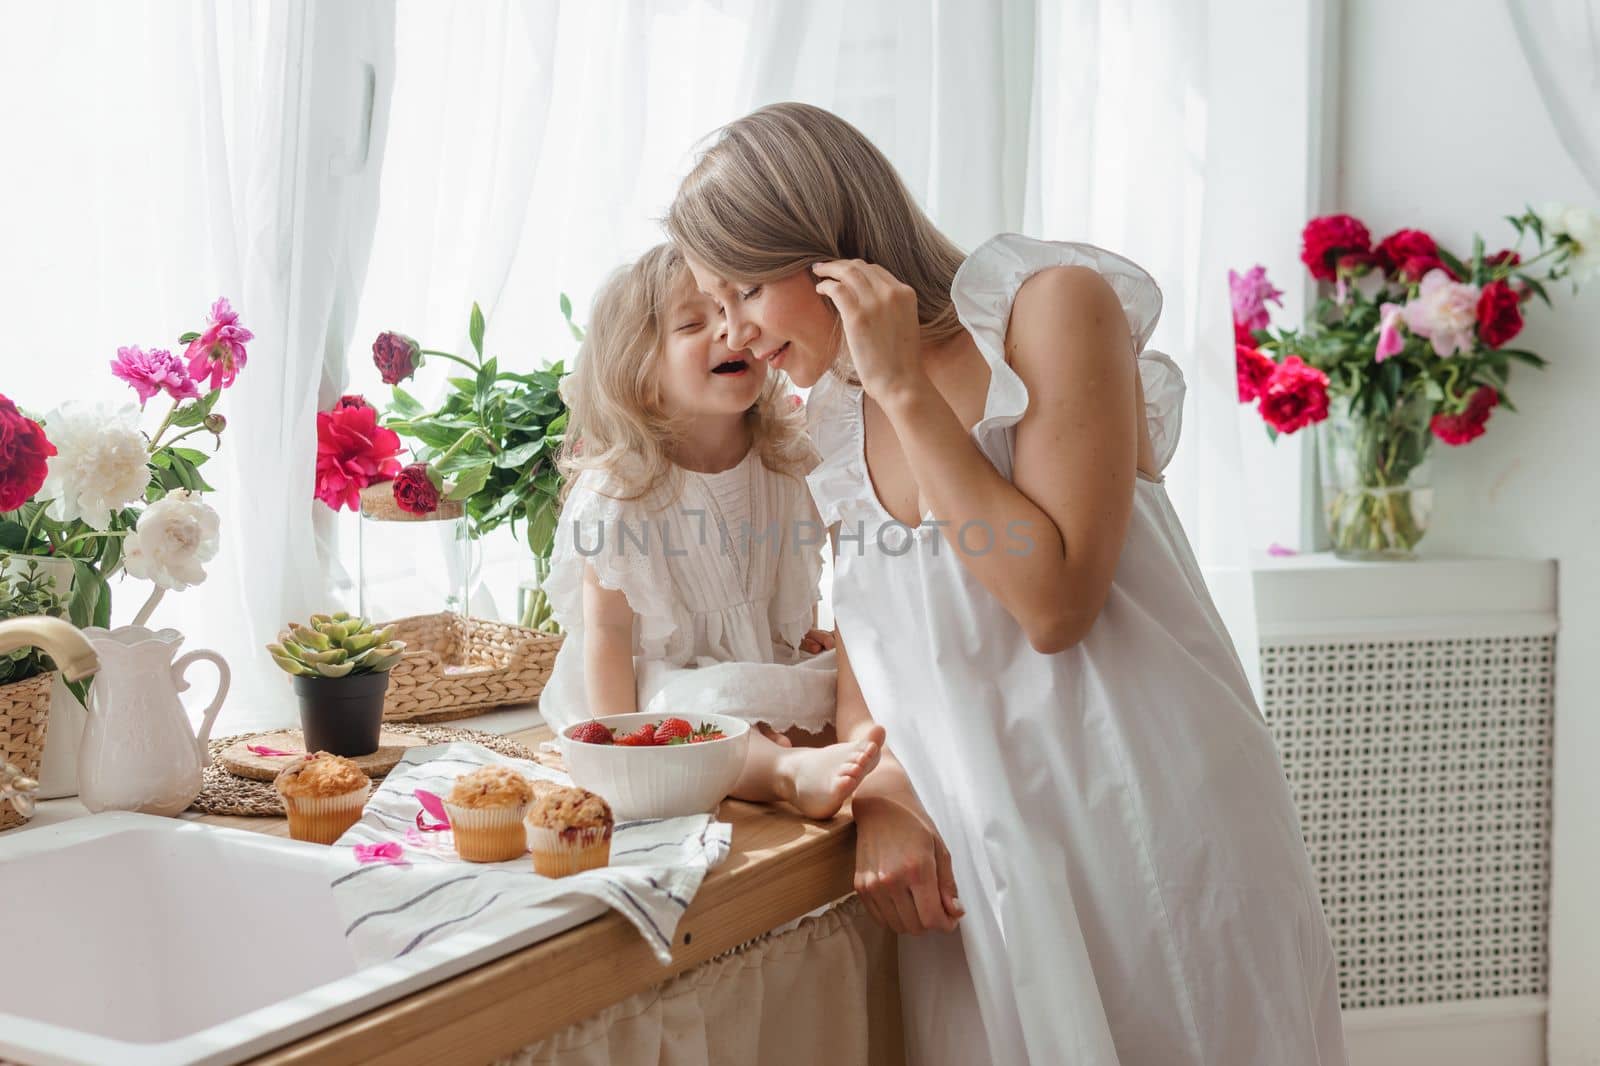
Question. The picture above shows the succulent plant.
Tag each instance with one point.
(336, 645)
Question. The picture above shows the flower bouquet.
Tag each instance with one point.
(87, 495)
(489, 447)
(1412, 344)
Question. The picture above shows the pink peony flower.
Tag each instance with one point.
(1445, 312)
(154, 371)
(1251, 292)
(217, 355)
(353, 451)
(1390, 340)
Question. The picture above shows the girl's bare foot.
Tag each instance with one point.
(817, 781)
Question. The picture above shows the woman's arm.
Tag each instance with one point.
(1057, 528)
(903, 873)
(608, 649)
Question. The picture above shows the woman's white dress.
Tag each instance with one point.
(722, 573)
(1136, 885)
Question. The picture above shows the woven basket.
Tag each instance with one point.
(454, 666)
(24, 714)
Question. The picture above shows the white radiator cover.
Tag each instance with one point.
(1413, 705)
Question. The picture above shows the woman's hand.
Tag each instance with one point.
(902, 866)
(879, 314)
(816, 641)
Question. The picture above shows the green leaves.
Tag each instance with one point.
(193, 413)
(475, 330)
(491, 443)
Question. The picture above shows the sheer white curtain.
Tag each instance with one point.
(1561, 39)
(534, 147)
(161, 155)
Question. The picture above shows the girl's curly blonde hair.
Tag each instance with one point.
(615, 420)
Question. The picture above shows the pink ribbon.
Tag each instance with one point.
(268, 753)
(389, 852)
(431, 804)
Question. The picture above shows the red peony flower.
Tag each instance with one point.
(396, 356)
(353, 451)
(413, 492)
(1355, 263)
(1471, 423)
(1254, 369)
(1327, 238)
(1416, 267)
(1403, 244)
(23, 451)
(1295, 396)
(1504, 257)
(1499, 314)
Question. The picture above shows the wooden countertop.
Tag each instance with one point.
(780, 867)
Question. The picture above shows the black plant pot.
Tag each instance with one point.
(342, 715)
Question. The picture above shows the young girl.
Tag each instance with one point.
(688, 553)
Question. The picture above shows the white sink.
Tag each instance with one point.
(139, 940)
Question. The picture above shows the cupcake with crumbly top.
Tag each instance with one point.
(485, 808)
(569, 830)
(323, 796)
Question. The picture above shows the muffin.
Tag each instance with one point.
(569, 830)
(485, 808)
(323, 795)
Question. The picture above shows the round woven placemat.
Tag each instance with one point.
(223, 793)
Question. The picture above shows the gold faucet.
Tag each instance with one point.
(71, 650)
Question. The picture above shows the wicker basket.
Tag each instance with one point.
(455, 666)
(24, 714)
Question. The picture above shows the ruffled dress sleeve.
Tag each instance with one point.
(838, 481)
(798, 587)
(594, 530)
(985, 288)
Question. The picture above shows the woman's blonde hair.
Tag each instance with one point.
(792, 184)
(615, 419)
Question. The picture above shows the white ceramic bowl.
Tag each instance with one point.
(659, 782)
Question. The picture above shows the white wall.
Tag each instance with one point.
(1442, 128)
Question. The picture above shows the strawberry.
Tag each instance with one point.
(706, 732)
(592, 733)
(673, 730)
(643, 737)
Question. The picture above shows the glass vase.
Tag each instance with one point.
(413, 565)
(1376, 490)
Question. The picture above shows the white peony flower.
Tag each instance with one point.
(1583, 227)
(175, 535)
(99, 465)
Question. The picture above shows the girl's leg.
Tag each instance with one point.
(816, 781)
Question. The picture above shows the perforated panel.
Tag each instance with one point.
(1421, 770)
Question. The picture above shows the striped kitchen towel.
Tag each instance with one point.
(392, 908)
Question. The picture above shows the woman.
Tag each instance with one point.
(1071, 738)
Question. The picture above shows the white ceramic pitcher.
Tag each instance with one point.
(139, 751)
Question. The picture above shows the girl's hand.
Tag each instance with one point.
(879, 314)
(903, 873)
(816, 641)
